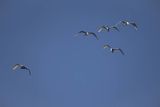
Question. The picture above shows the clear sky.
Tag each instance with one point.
(70, 71)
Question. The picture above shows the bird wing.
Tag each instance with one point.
(119, 23)
(123, 23)
(120, 50)
(16, 66)
(94, 35)
(106, 27)
(29, 71)
(26, 68)
(114, 27)
(134, 25)
(106, 46)
(82, 31)
(100, 29)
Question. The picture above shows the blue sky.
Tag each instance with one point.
(70, 71)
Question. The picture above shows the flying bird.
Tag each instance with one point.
(113, 49)
(107, 28)
(20, 66)
(104, 27)
(127, 23)
(88, 34)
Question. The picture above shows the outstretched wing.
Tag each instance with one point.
(134, 25)
(114, 27)
(121, 51)
(26, 68)
(120, 23)
(16, 66)
(29, 71)
(82, 31)
(118, 49)
(106, 46)
(100, 29)
(94, 35)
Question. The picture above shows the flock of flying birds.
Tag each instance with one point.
(108, 29)
(85, 33)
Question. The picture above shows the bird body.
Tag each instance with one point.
(127, 23)
(20, 66)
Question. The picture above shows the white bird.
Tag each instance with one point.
(113, 49)
(107, 28)
(20, 66)
(88, 34)
(127, 23)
